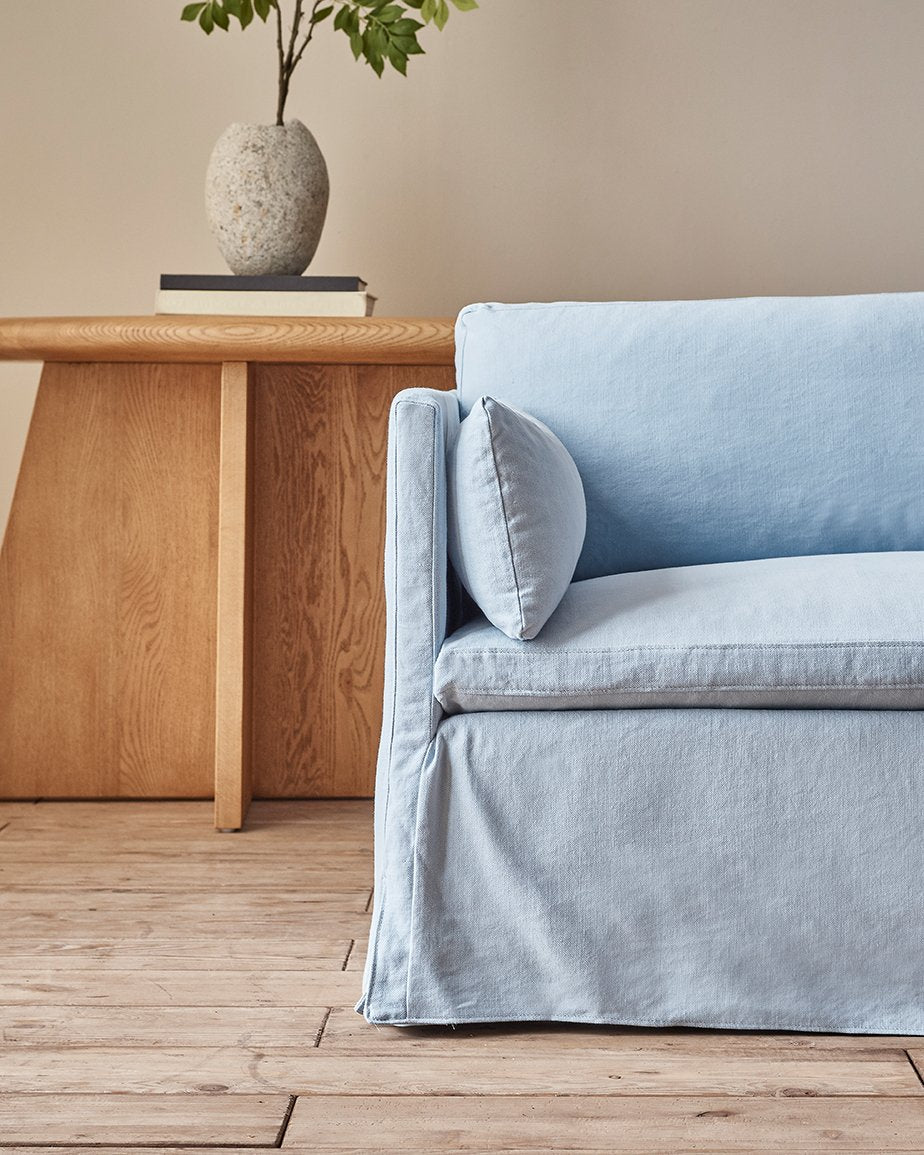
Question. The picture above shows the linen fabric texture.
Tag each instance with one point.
(421, 427)
(750, 867)
(516, 516)
(710, 431)
(836, 631)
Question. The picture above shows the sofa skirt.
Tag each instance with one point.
(750, 869)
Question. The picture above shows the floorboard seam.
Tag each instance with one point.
(322, 1028)
(348, 953)
(369, 902)
(284, 1125)
(6, 824)
(915, 1067)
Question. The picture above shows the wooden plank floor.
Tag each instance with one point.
(163, 988)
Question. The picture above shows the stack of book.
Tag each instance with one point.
(233, 296)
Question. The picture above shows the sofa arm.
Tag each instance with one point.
(421, 427)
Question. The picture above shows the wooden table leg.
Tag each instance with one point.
(235, 601)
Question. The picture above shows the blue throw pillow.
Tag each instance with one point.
(516, 516)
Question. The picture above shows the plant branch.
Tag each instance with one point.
(289, 58)
(307, 39)
(283, 90)
(293, 35)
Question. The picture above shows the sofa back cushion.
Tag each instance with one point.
(710, 431)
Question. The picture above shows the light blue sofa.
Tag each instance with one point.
(697, 797)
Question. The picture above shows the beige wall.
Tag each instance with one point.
(542, 149)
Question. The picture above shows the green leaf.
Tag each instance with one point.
(191, 11)
(220, 16)
(389, 14)
(375, 61)
(341, 18)
(397, 58)
(246, 15)
(374, 44)
(418, 4)
(405, 27)
(356, 43)
(408, 45)
(465, 5)
(442, 15)
(375, 40)
(428, 10)
(322, 14)
(263, 7)
(205, 19)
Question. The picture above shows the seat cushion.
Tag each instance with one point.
(832, 631)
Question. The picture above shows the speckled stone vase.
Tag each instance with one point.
(266, 195)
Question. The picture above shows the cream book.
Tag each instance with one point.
(261, 303)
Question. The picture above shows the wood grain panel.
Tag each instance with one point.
(304, 1070)
(158, 988)
(57, 565)
(334, 847)
(297, 498)
(186, 1149)
(319, 616)
(137, 902)
(156, 1119)
(129, 819)
(234, 660)
(13, 812)
(169, 339)
(359, 659)
(155, 927)
(347, 1033)
(670, 1123)
(107, 587)
(283, 879)
(154, 1027)
(196, 953)
(603, 1071)
(139, 957)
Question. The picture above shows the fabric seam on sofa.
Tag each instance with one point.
(540, 691)
(433, 700)
(374, 935)
(433, 703)
(554, 650)
(503, 503)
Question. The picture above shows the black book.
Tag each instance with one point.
(224, 283)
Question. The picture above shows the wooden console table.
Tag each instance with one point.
(191, 579)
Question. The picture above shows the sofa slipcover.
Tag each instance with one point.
(708, 431)
(739, 868)
(754, 868)
(836, 631)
